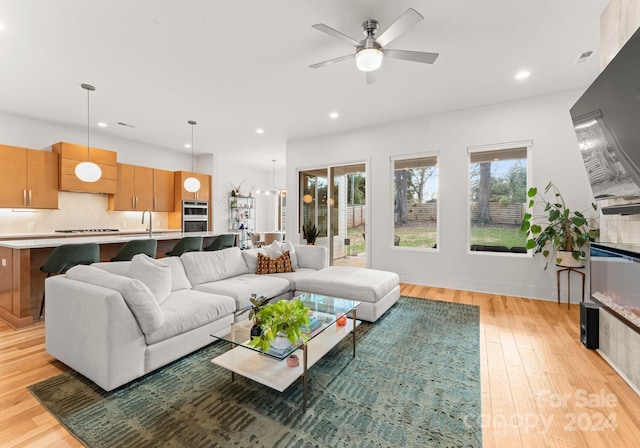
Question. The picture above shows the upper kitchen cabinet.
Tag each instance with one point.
(203, 194)
(28, 178)
(163, 190)
(71, 155)
(134, 188)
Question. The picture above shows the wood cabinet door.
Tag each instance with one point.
(42, 179)
(124, 197)
(13, 176)
(203, 194)
(143, 188)
(163, 190)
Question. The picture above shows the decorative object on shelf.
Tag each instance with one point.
(281, 319)
(242, 218)
(310, 232)
(191, 184)
(88, 171)
(293, 361)
(257, 303)
(565, 233)
(342, 321)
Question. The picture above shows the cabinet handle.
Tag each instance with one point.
(136, 201)
(155, 203)
(30, 202)
(24, 197)
(133, 202)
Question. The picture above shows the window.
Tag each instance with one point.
(498, 181)
(415, 201)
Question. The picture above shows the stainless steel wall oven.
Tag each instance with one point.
(195, 216)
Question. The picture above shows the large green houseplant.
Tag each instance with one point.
(561, 233)
(285, 318)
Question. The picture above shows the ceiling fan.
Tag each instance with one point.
(370, 50)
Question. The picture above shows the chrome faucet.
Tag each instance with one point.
(150, 228)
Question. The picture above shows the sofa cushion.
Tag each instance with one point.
(251, 258)
(211, 266)
(277, 248)
(185, 310)
(292, 277)
(241, 287)
(153, 273)
(267, 265)
(179, 279)
(115, 267)
(314, 257)
(364, 285)
(139, 299)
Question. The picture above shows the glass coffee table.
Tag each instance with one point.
(271, 369)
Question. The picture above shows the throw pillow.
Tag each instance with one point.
(155, 274)
(268, 265)
(284, 246)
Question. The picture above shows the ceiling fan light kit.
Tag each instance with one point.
(371, 50)
(88, 171)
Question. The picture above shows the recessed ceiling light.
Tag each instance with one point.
(334, 115)
(524, 74)
(187, 145)
(102, 124)
(260, 131)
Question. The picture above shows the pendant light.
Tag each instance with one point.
(191, 184)
(273, 182)
(88, 171)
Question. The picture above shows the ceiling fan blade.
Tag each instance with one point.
(335, 33)
(404, 22)
(372, 76)
(332, 61)
(415, 56)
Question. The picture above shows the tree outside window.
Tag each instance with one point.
(415, 204)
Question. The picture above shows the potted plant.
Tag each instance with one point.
(257, 303)
(310, 233)
(563, 233)
(284, 320)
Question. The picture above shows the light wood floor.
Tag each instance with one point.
(540, 386)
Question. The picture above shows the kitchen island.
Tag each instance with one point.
(22, 282)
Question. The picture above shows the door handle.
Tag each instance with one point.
(133, 202)
(24, 197)
(30, 201)
(155, 203)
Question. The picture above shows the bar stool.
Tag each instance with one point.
(186, 244)
(135, 247)
(222, 242)
(67, 256)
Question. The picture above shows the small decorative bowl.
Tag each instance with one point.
(293, 361)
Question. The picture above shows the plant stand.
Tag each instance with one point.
(569, 270)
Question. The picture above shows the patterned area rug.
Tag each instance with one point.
(414, 383)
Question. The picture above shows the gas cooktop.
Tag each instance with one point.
(88, 231)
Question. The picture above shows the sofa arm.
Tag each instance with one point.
(91, 329)
(314, 257)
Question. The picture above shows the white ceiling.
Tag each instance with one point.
(234, 66)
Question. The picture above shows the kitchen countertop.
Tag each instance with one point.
(34, 235)
(119, 237)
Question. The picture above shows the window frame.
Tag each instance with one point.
(528, 146)
(392, 161)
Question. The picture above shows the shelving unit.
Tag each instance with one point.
(242, 218)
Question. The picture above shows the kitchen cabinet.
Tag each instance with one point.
(163, 190)
(28, 178)
(71, 155)
(134, 188)
(203, 194)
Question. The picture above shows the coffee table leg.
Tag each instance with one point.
(304, 378)
(353, 331)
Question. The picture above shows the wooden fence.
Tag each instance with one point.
(500, 213)
(356, 215)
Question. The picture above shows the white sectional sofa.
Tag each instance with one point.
(115, 322)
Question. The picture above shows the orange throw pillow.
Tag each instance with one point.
(268, 265)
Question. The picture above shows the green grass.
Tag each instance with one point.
(425, 236)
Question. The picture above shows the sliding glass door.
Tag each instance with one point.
(333, 206)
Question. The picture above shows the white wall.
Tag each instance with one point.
(544, 120)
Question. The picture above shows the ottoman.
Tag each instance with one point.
(376, 290)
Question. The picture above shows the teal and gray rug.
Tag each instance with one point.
(414, 383)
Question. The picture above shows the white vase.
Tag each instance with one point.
(281, 342)
(568, 261)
